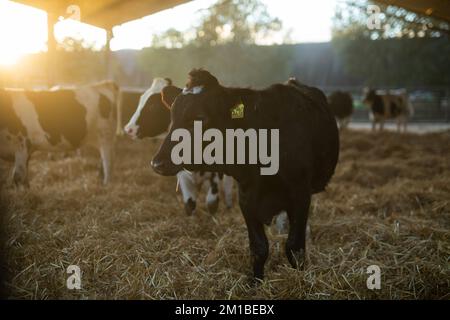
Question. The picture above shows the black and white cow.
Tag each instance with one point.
(126, 106)
(341, 104)
(152, 118)
(391, 105)
(56, 120)
(308, 152)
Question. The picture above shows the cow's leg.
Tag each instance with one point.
(107, 155)
(259, 246)
(212, 197)
(101, 173)
(20, 170)
(345, 123)
(298, 218)
(399, 124)
(199, 179)
(374, 123)
(381, 125)
(403, 123)
(186, 183)
(227, 184)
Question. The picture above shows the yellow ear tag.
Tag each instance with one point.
(238, 111)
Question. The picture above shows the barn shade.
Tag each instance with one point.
(439, 9)
(103, 13)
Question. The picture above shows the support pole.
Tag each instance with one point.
(51, 48)
(108, 65)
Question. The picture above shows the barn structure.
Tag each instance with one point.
(109, 13)
(100, 13)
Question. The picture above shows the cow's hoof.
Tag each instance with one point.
(189, 207)
(20, 179)
(296, 259)
(213, 206)
(254, 282)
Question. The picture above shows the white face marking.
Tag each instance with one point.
(157, 85)
(194, 90)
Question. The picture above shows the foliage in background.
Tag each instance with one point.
(351, 18)
(232, 63)
(408, 49)
(397, 62)
(78, 62)
(391, 62)
(226, 21)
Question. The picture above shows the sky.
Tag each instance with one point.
(24, 30)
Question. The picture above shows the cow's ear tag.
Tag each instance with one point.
(237, 112)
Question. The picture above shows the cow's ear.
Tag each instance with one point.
(169, 94)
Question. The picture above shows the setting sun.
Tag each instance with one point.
(22, 30)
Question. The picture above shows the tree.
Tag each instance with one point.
(78, 62)
(407, 49)
(72, 44)
(227, 21)
(355, 19)
(171, 38)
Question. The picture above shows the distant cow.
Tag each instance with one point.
(341, 104)
(388, 106)
(152, 118)
(308, 152)
(55, 120)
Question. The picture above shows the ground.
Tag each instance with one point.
(387, 205)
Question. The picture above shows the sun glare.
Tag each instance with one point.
(22, 30)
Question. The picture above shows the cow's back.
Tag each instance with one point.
(59, 119)
(61, 116)
(309, 133)
(325, 139)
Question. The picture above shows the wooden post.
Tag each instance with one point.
(108, 66)
(51, 48)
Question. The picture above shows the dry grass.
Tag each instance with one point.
(388, 204)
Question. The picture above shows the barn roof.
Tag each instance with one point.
(109, 13)
(436, 8)
(104, 13)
